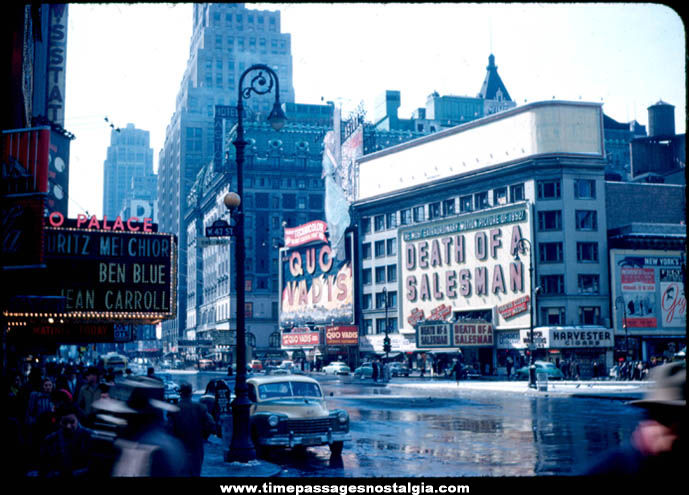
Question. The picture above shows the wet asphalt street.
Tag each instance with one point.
(398, 431)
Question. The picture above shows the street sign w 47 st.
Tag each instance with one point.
(220, 228)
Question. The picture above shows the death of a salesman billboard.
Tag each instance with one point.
(317, 287)
(112, 274)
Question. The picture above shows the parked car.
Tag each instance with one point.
(171, 388)
(399, 369)
(290, 411)
(364, 371)
(337, 368)
(256, 365)
(206, 364)
(547, 367)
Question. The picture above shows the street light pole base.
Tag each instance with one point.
(532, 376)
(242, 455)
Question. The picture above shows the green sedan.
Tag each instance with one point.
(547, 367)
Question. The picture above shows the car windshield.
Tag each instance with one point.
(288, 389)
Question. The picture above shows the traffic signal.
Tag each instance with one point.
(386, 344)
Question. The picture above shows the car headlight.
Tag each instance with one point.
(342, 417)
(273, 421)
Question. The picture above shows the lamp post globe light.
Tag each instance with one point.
(263, 81)
(532, 364)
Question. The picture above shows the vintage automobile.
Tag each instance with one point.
(364, 371)
(290, 411)
(336, 368)
(399, 369)
(171, 388)
(546, 367)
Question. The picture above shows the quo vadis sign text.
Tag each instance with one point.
(316, 287)
(342, 335)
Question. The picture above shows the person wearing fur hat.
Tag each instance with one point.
(658, 449)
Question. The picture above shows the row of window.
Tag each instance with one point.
(251, 20)
(546, 189)
(380, 326)
(551, 220)
(290, 201)
(383, 274)
(386, 247)
(552, 189)
(552, 252)
(380, 300)
(439, 209)
(587, 283)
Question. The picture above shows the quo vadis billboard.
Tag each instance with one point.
(126, 272)
(651, 285)
(467, 262)
(316, 287)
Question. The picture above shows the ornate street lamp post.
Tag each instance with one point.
(263, 82)
(532, 365)
(619, 301)
(386, 341)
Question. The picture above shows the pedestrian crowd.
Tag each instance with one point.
(71, 420)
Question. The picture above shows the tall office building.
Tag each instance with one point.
(129, 155)
(226, 39)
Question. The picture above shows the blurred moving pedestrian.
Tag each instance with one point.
(88, 394)
(192, 425)
(509, 363)
(658, 447)
(374, 372)
(150, 373)
(66, 452)
(136, 406)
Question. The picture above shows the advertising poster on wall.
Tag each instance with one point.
(466, 263)
(651, 285)
(316, 287)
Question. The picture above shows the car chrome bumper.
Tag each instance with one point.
(306, 440)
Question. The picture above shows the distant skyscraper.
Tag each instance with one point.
(227, 38)
(129, 155)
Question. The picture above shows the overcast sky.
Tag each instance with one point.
(126, 61)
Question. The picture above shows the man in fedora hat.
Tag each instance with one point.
(658, 445)
(136, 406)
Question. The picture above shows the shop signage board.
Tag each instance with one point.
(73, 333)
(565, 337)
(342, 335)
(472, 334)
(577, 337)
(513, 308)
(299, 339)
(434, 335)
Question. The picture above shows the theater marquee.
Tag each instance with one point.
(128, 275)
(467, 263)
